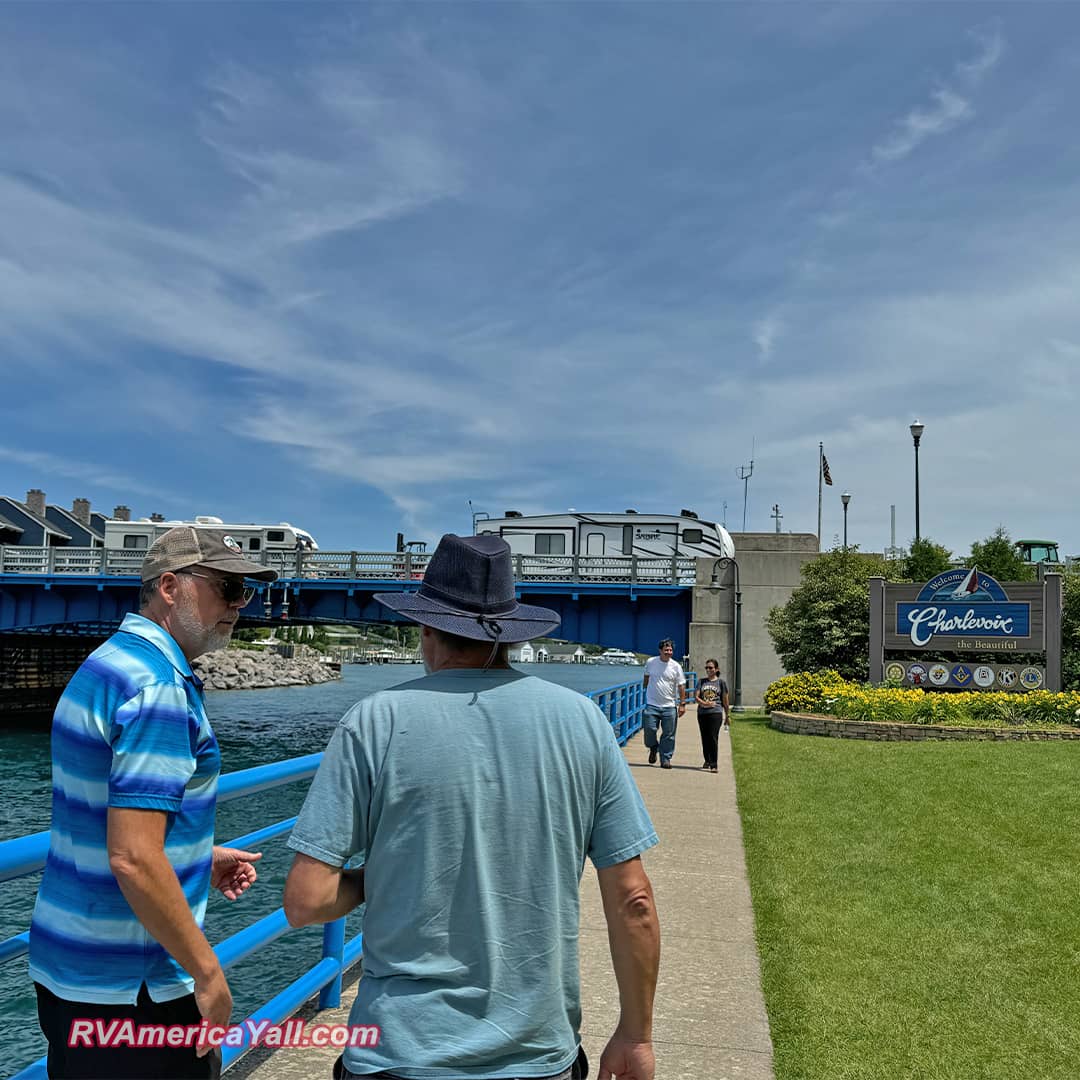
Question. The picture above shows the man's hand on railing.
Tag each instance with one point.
(233, 871)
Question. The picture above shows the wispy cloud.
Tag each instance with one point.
(766, 331)
(949, 107)
(948, 110)
(43, 465)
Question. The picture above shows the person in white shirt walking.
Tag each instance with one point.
(665, 702)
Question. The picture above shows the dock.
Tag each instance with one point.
(709, 1020)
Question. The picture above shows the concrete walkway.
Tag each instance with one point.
(710, 1021)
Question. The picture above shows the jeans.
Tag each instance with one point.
(667, 719)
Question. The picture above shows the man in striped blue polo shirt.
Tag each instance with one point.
(117, 927)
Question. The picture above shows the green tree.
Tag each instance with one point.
(926, 560)
(826, 623)
(997, 557)
(1070, 631)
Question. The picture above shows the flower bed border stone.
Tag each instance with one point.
(832, 727)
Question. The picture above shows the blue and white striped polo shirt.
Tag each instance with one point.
(129, 731)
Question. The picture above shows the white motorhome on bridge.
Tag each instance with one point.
(629, 533)
(134, 536)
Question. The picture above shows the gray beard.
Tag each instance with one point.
(206, 639)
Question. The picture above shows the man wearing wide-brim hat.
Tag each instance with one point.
(472, 797)
(117, 928)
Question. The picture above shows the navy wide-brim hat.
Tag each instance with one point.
(468, 590)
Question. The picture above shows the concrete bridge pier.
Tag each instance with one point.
(770, 566)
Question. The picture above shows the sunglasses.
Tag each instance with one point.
(230, 589)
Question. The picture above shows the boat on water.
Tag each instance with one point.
(617, 656)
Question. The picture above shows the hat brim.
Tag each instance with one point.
(240, 566)
(525, 622)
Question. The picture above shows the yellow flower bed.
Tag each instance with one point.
(827, 694)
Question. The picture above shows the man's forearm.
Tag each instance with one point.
(634, 938)
(151, 888)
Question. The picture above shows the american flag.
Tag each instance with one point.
(825, 470)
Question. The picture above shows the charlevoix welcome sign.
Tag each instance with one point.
(967, 611)
(963, 604)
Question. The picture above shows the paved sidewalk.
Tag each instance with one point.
(710, 1021)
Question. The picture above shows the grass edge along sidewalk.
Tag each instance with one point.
(915, 904)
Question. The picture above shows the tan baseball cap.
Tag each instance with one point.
(187, 546)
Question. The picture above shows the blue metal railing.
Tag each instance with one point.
(623, 705)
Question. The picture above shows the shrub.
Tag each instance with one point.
(802, 692)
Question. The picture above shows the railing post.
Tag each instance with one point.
(517, 567)
(333, 948)
(352, 564)
(50, 565)
(408, 565)
(576, 571)
(674, 569)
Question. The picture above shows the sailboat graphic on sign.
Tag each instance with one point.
(968, 587)
(965, 587)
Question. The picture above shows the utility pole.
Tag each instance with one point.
(777, 516)
(744, 473)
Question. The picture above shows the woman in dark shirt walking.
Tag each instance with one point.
(712, 712)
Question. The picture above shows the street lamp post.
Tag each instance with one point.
(845, 499)
(726, 561)
(916, 434)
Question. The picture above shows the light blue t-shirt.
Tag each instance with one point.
(472, 798)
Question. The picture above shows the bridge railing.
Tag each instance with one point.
(364, 565)
(623, 705)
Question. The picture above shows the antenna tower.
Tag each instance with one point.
(744, 473)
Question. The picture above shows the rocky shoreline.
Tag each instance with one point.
(245, 669)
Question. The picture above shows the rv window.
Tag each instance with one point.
(134, 543)
(628, 539)
(254, 544)
(275, 536)
(692, 536)
(550, 544)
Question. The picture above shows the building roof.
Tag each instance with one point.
(76, 522)
(9, 526)
(22, 508)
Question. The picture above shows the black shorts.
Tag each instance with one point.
(122, 1062)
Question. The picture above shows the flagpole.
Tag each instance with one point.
(820, 474)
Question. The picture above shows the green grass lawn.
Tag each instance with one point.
(917, 904)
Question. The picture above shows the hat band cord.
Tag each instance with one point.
(492, 628)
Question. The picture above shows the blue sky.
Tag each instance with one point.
(353, 266)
